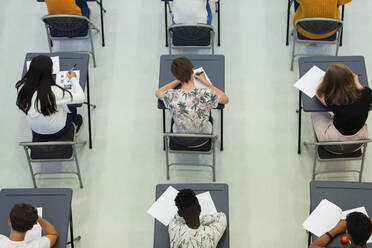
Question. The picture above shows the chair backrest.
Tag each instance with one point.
(67, 25)
(190, 142)
(200, 35)
(60, 148)
(319, 25)
(343, 147)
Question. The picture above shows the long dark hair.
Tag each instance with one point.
(38, 78)
(338, 85)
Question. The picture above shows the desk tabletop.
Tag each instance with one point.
(355, 63)
(220, 196)
(56, 204)
(66, 61)
(346, 195)
(214, 65)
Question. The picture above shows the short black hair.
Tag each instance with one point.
(358, 227)
(185, 199)
(23, 217)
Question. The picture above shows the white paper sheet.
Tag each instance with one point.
(164, 209)
(35, 232)
(310, 81)
(360, 210)
(199, 84)
(324, 217)
(63, 80)
(55, 60)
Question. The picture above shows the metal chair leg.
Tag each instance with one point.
(293, 50)
(362, 163)
(314, 165)
(77, 166)
(92, 47)
(30, 166)
(214, 161)
(166, 156)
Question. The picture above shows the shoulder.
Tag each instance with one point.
(3, 238)
(42, 242)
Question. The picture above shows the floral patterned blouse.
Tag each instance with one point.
(190, 110)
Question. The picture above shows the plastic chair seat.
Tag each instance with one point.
(67, 27)
(191, 36)
(325, 154)
(190, 144)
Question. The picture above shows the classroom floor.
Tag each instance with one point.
(268, 181)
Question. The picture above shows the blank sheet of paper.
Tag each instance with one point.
(199, 84)
(206, 204)
(35, 232)
(310, 81)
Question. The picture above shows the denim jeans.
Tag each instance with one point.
(84, 7)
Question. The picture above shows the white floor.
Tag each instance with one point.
(268, 181)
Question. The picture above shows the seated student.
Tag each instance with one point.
(187, 229)
(357, 227)
(68, 7)
(190, 106)
(317, 8)
(191, 11)
(45, 103)
(349, 101)
(22, 218)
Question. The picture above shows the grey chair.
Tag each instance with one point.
(69, 27)
(339, 151)
(316, 26)
(190, 144)
(63, 149)
(191, 36)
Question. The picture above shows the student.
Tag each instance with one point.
(357, 227)
(187, 229)
(191, 11)
(44, 102)
(68, 7)
(22, 218)
(190, 106)
(350, 102)
(317, 8)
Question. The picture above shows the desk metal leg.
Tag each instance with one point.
(164, 128)
(342, 18)
(71, 231)
(299, 123)
(221, 147)
(102, 26)
(219, 23)
(288, 14)
(166, 23)
(89, 120)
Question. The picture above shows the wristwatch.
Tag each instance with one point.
(329, 235)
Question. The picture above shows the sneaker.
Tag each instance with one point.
(78, 122)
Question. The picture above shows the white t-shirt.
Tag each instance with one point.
(190, 11)
(5, 242)
(53, 123)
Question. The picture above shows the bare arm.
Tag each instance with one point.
(223, 98)
(320, 95)
(166, 87)
(323, 240)
(48, 230)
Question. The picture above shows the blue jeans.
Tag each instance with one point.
(296, 4)
(84, 7)
(209, 16)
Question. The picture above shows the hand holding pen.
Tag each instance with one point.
(71, 73)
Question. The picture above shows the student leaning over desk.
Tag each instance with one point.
(22, 218)
(67, 7)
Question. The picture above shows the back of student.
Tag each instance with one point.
(60, 7)
(191, 11)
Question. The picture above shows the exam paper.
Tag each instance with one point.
(35, 232)
(55, 60)
(310, 81)
(63, 80)
(324, 217)
(199, 84)
(164, 209)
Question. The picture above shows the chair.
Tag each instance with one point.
(191, 36)
(339, 151)
(190, 144)
(316, 26)
(41, 150)
(69, 27)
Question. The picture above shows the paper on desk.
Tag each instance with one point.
(324, 217)
(199, 84)
(63, 80)
(55, 60)
(35, 232)
(360, 210)
(164, 209)
(310, 81)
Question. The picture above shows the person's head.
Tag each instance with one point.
(358, 228)
(338, 85)
(38, 79)
(182, 69)
(187, 204)
(22, 217)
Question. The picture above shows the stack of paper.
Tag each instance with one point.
(164, 209)
(35, 232)
(326, 215)
(199, 84)
(63, 80)
(55, 60)
(310, 81)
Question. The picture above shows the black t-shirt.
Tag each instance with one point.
(350, 118)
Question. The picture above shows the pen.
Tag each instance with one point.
(199, 73)
(74, 67)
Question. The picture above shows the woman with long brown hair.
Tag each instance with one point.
(349, 101)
